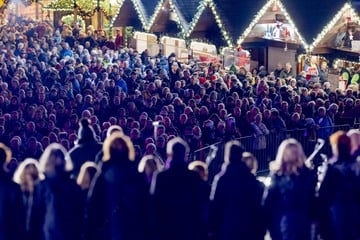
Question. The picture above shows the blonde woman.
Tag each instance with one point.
(118, 201)
(88, 172)
(59, 205)
(27, 175)
(149, 165)
(288, 199)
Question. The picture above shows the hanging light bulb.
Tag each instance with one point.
(172, 16)
(275, 6)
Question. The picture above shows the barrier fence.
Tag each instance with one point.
(214, 154)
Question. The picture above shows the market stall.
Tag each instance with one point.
(237, 57)
(174, 45)
(144, 41)
(339, 43)
(271, 37)
(204, 52)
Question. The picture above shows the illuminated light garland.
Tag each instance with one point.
(178, 17)
(137, 9)
(155, 15)
(337, 60)
(261, 13)
(331, 24)
(201, 8)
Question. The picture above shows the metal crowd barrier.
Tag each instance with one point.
(307, 137)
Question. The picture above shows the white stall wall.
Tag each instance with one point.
(278, 55)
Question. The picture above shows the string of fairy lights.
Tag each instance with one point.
(211, 4)
(261, 13)
(188, 28)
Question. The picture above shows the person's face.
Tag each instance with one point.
(258, 119)
(183, 119)
(14, 115)
(41, 97)
(31, 127)
(30, 173)
(322, 112)
(288, 67)
(14, 144)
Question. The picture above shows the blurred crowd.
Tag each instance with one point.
(99, 137)
(117, 198)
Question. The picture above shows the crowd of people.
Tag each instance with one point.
(118, 198)
(69, 98)
(52, 76)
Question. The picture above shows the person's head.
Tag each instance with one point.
(177, 151)
(288, 66)
(149, 164)
(290, 158)
(201, 168)
(322, 111)
(87, 173)
(53, 162)
(250, 161)
(118, 147)
(354, 135)
(27, 174)
(114, 128)
(5, 157)
(233, 149)
(86, 132)
(341, 146)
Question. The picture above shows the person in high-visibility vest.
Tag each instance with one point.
(345, 74)
(356, 77)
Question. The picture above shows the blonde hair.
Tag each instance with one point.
(250, 161)
(81, 180)
(289, 159)
(7, 152)
(54, 156)
(201, 168)
(232, 148)
(18, 175)
(152, 162)
(118, 144)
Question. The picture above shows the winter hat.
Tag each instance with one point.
(86, 132)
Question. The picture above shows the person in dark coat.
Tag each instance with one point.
(118, 204)
(339, 194)
(235, 208)
(354, 136)
(59, 206)
(12, 214)
(179, 196)
(289, 198)
(27, 175)
(86, 147)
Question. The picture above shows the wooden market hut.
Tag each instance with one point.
(208, 26)
(272, 37)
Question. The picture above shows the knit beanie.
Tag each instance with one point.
(86, 132)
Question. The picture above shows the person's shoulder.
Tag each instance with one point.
(7, 183)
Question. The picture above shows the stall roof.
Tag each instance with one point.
(148, 7)
(188, 8)
(273, 22)
(208, 11)
(236, 15)
(310, 17)
(132, 14)
(167, 16)
(332, 34)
